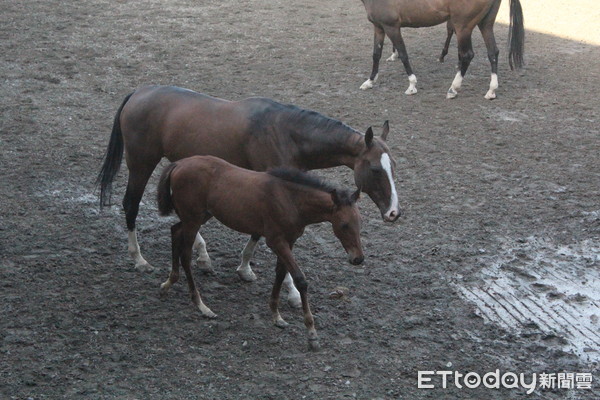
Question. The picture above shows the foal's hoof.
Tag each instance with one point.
(490, 95)
(313, 345)
(411, 91)
(451, 93)
(368, 84)
(247, 275)
(205, 264)
(294, 300)
(208, 314)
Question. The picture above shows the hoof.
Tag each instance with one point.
(294, 300)
(164, 291)
(204, 263)
(247, 275)
(393, 57)
(208, 314)
(144, 267)
(367, 85)
(280, 323)
(451, 93)
(411, 91)
(441, 59)
(490, 96)
(313, 345)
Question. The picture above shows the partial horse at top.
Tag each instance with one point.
(388, 16)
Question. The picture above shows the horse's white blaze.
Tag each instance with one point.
(387, 167)
(412, 85)
(368, 84)
(491, 94)
(293, 294)
(133, 248)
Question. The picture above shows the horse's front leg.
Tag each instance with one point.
(203, 260)
(378, 38)
(465, 55)
(284, 254)
(244, 271)
(396, 38)
(280, 273)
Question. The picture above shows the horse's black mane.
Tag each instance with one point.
(305, 179)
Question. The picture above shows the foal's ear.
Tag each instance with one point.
(386, 130)
(355, 196)
(369, 137)
(335, 197)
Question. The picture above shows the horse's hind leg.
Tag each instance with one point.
(294, 299)
(487, 31)
(138, 178)
(465, 55)
(244, 271)
(450, 32)
(176, 243)
(393, 56)
(396, 38)
(188, 234)
(378, 38)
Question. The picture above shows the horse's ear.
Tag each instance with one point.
(386, 130)
(335, 197)
(369, 137)
(355, 195)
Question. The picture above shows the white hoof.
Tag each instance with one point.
(490, 95)
(144, 266)
(411, 90)
(207, 313)
(246, 275)
(294, 299)
(451, 93)
(205, 264)
(367, 85)
(393, 57)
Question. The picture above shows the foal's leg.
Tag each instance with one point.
(284, 253)
(188, 236)
(176, 242)
(294, 298)
(393, 56)
(465, 55)
(450, 32)
(244, 271)
(138, 178)
(378, 38)
(396, 38)
(280, 273)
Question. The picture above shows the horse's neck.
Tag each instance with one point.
(314, 206)
(318, 150)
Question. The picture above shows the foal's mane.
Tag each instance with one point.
(305, 179)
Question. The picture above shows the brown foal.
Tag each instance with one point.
(277, 204)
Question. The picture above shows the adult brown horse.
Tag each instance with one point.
(277, 205)
(255, 133)
(388, 16)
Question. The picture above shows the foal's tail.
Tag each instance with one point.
(165, 201)
(112, 158)
(516, 35)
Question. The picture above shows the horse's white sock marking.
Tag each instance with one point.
(491, 94)
(393, 57)
(394, 210)
(133, 248)
(244, 271)
(203, 259)
(456, 84)
(412, 85)
(293, 294)
(368, 84)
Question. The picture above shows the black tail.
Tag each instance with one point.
(165, 201)
(112, 158)
(516, 35)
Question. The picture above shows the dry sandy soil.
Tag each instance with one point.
(493, 266)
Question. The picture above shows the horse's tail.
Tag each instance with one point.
(516, 35)
(112, 158)
(165, 201)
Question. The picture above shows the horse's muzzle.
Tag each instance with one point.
(392, 215)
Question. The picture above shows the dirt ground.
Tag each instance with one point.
(501, 198)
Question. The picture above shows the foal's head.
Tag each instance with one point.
(374, 174)
(346, 223)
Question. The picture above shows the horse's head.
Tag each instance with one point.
(346, 224)
(374, 174)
